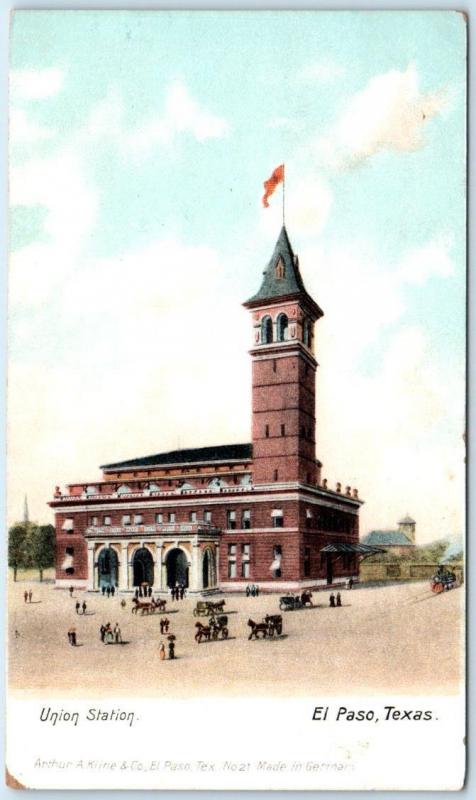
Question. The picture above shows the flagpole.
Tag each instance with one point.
(284, 185)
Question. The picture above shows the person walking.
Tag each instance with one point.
(30, 595)
(161, 624)
(102, 633)
(69, 636)
(332, 600)
(171, 648)
(117, 634)
(113, 590)
(166, 624)
(103, 590)
(25, 596)
(248, 590)
(182, 592)
(338, 599)
(71, 590)
(172, 592)
(78, 606)
(150, 591)
(162, 651)
(257, 590)
(136, 594)
(84, 606)
(108, 591)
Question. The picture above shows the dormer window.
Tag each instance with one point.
(279, 270)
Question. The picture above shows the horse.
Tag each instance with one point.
(306, 598)
(143, 607)
(203, 631)
(258, 627)
(159, 605)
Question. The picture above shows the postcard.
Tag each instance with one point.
(236, 429)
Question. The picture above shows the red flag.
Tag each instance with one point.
(272, 182)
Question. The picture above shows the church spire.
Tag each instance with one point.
(282, 277)
(26, 517)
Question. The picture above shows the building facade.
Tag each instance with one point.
(398, 541)
(220, 518)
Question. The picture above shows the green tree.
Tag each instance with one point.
(42, 547)
(18, 536)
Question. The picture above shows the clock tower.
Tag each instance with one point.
(283, 373)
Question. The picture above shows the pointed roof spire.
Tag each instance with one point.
(26, 517)
(282, 277)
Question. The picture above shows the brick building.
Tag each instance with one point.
(226, 516)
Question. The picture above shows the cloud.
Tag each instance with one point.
(23, 130)
(390, 113)
(182, 115)
(31, 84)
(432, 259)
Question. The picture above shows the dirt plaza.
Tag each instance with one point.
(399, 638)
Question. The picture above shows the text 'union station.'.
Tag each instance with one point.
(226, 516)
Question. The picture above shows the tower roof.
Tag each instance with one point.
(406, 521)
(286, 282)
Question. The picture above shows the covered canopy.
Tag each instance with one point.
(342, 548)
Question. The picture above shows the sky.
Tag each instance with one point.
(139, 143)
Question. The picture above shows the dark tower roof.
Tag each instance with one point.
(222, 452)
(291, 282)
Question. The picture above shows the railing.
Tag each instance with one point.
(178, 528)
(64, 498)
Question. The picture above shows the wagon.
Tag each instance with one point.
(274, 623)
(219, 626)
(290, 602)
(205, 608)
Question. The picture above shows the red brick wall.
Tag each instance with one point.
(75, 540)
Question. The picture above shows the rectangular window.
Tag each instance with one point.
(207, 516)
(69, 551)
(159, 518)
(277, 516)
(172, 516)
(245, 569)
(277, 556)
(232, 560)
(137, 519)
(126, 519)
(68, 525)
(94, 522)
(283, 430)
(231, 520)
(107, 520)
(246, 520)
(245, 552)
(266, 430)
(274, 365)
(275, 474)
(308, 518)
(307, 562)
(193, 516)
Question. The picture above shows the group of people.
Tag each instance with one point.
(107, 634)
(171, 648)
(252, 590)
(143, 591)
(27, 596)
(80, 607)
(108, 590)
(72, 637)
(177, 592)
(164, 625)
(335, 600)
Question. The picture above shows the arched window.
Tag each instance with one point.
(282, 328)
(216, 483)
(266, 330)
(306, 333)
(124, 489)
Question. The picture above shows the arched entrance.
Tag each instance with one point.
(177, 568)
(208, 569)
(143, 567)
(108, 567)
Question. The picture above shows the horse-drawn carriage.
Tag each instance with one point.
(290, 602)
(207, 608)
(270, 625)
(216, 628)
(443, 580)
(147, 606)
